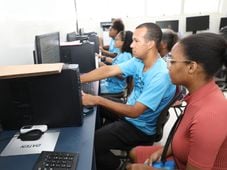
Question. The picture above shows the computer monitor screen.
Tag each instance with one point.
(223, 22)
(47, 48)
(197, 23)
(171, 24)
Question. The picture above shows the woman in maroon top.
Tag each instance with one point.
(200, 141)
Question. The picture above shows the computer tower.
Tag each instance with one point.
(54, 100)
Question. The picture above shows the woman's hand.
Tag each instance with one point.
(156, 156)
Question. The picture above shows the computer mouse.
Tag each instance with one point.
(31, 135)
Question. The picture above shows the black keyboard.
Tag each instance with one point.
(88, 88)
(52, 160)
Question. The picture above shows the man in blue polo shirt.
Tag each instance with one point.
(151, 93)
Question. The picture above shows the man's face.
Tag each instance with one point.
(112, 32)
(140, 46)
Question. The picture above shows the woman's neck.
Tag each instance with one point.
(197, 84)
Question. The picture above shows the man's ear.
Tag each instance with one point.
(151, 44)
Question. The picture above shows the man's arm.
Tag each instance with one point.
(100, 73)
(119, 108)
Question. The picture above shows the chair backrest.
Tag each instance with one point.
(164, 115)
(130, 85)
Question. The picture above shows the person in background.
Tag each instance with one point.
(200, 141)
(111, 50)
(223, 32)
(118, 83)
(169, 38)
(152, 91)
(221, 75)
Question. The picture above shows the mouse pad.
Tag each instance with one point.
(16, 146)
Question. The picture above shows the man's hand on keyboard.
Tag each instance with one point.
(88, 100)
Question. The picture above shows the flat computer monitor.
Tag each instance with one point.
(223, 22)
(47, 48)
(171, 24)
(197, 23)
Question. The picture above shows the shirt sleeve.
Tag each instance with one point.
(128, 68)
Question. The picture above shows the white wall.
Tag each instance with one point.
(21, 20)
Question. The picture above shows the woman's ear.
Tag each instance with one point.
(193, 66)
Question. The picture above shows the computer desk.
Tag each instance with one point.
(71, 139)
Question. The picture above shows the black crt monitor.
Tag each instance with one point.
(197, 23)
(47, 48)
(171, 24)
(83, 54)
(90, 33)
(71, 36)
(54, 100)
(223, 22)
(82, 38)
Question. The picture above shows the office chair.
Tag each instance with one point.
(122, 96)
(108, 116)
(164, 115)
